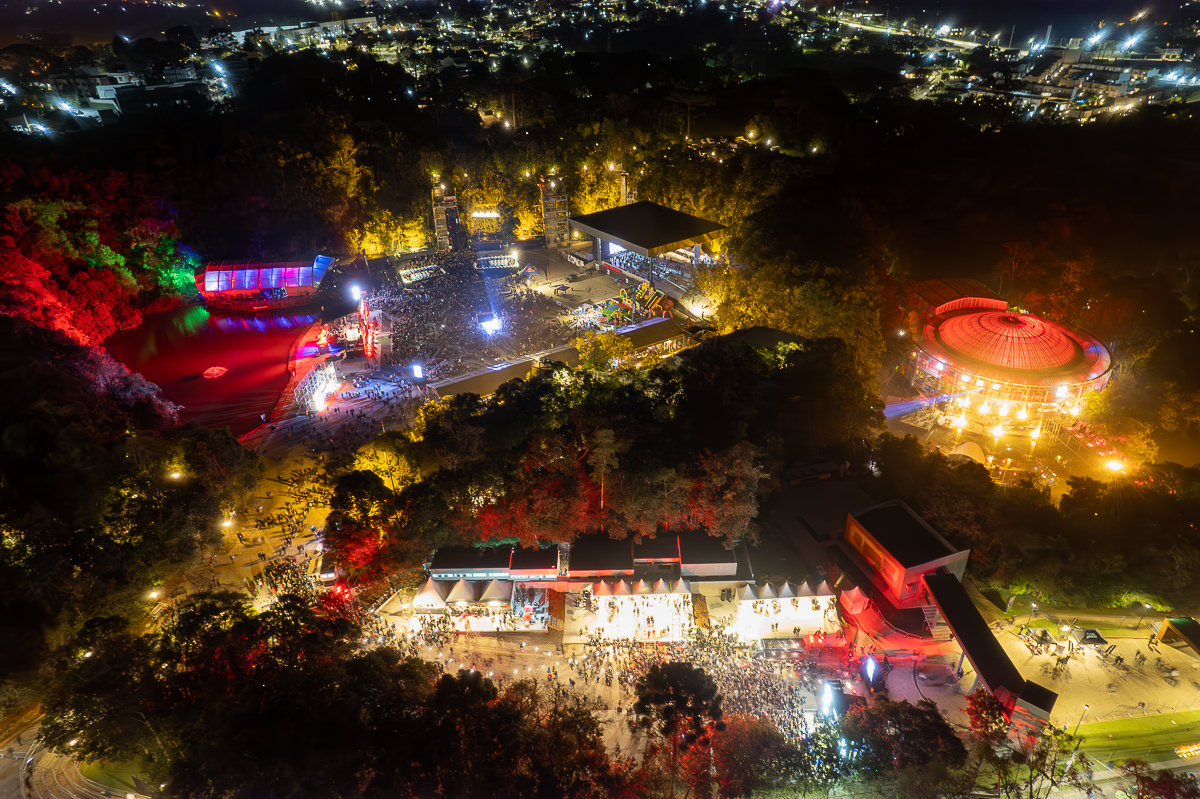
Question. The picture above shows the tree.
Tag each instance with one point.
(746, 756)
(681, 702)
(892, 736)
(600, 351)
(603, 458)
(387, 456)
(363, 515)
(819, 764)
(986, 717)
(1039, 765)
(214, 700)
(1143, 781)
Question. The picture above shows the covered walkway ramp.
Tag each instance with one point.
(1028, 703)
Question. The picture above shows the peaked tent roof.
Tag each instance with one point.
(430, 595)
(462, 592)
(601, 589)
(681, 586)
(497, 591)
(765, 591)
(747, 593)
(661, 587)
(786, 592)
(641, 587)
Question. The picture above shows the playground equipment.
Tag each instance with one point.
(649, 299)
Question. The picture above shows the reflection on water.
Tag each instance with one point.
(231, 324)
(176, 348)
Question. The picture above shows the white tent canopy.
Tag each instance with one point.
(641, 587)
(786, 592)
(823, 589)
(765, 591)
(601, 589)
(430, 596)
(804, 590)
(661, 587)
(462, 592)
(497, 591)
(854, 600)
(747, 593)
(680, 586)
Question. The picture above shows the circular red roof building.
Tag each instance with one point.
(978, 344)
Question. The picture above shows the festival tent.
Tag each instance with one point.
(786, 592)
(823, 589)
(661, 587)
(392, 606)
(530, 270)
(747, 593)
(462, 592)
(680, 586)
(601, 588)
(765, 591)
(620, 588)
(970, 449)
(641, 587)
(804, 590)
(854, 601)
(499, 591)
(430, 596)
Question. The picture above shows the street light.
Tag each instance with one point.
(1139, 622)
(1081, 715)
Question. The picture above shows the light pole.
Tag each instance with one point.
(1032, 612)
(1081, 715)
(1143, 616)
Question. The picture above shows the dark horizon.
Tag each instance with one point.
(85, 24)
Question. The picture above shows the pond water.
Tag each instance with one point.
(223, 370)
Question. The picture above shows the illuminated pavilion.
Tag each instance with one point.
(1001, 367)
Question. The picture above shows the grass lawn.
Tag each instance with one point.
(1152, 738)
(118, 776)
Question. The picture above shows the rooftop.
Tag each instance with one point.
(597, 553)
(940, 296)
(664, 548)
(647, 228)
(905, 535)
(974, 635)
(701, 548)
(1014, 347)
(526, 559)
(460, 558)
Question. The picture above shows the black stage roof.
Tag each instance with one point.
(664, 548)
(545, 558)
(904, 534)
(460, 558)
(646, 228)
(703, 548)
(598, 553)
